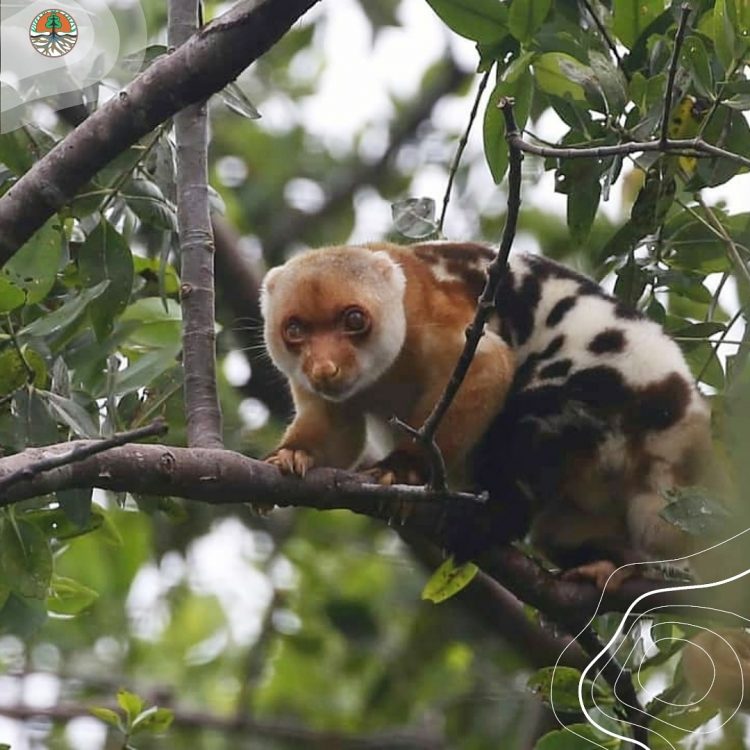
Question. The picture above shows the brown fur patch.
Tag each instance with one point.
(663, 404)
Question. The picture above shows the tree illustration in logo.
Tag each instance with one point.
(53, 33)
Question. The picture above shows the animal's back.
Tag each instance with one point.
(602, 416)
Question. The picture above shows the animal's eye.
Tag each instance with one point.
(355, 320)
(294, 331)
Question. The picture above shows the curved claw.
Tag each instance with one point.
(291, 461)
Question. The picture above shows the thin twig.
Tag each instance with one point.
(605, 35)
(197, 296)
(461, 146)
(695, 147)
(80, 452)
(721, 232)
(669, 93)
(719, 341)
(485, 305)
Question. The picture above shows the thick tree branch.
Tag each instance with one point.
(204, 64)
(79, 452)
(221, 476)
(202, 411)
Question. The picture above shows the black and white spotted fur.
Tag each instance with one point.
(603, 415)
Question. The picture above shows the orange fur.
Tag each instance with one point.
(325, 369)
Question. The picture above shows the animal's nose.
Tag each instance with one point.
(324, 372)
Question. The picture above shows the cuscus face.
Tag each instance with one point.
(334, 319)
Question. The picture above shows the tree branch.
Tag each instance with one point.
(208, 61)
(485, 305)
(695, 147)
(224, 477)
(669, 93)
(605, 35)
(78, 452)
(462, 145)
(202, 410)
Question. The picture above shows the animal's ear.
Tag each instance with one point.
(391, 271)
(266, 289)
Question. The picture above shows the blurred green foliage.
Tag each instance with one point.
(307, 629)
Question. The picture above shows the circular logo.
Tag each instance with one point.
(53, 33)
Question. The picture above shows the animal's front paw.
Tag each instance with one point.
(291, 461)
(604, 573)
(399, 467)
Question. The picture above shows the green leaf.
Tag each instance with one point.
(526, 16)
(109, 531)
(15, 151)
(11, 296)
(695, 58)
(448, 580)
(737, 95)
(579, 178)
(631, 17)
(148, 203)
(558, 687)
(150, 270)
(156, 327)
(22, 616)
(25, 559)
(612, 82)
(105, 256)
(108, 716)
(70, 413)
(724, 34)
(560, 74)
(480, 20)
(34, 267)
(76, 505)
(495, 145)
(13, 373)
(518, 84)
(631, 281)
(236, 100)
(66, 315)
(131, 704)
(69, 597)
(60, 378)
(695, 511)
(698, 330)
(703, 361)
(577, 737)
(54, 523)
(155, 720)
(32, 422)
(653, 201)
